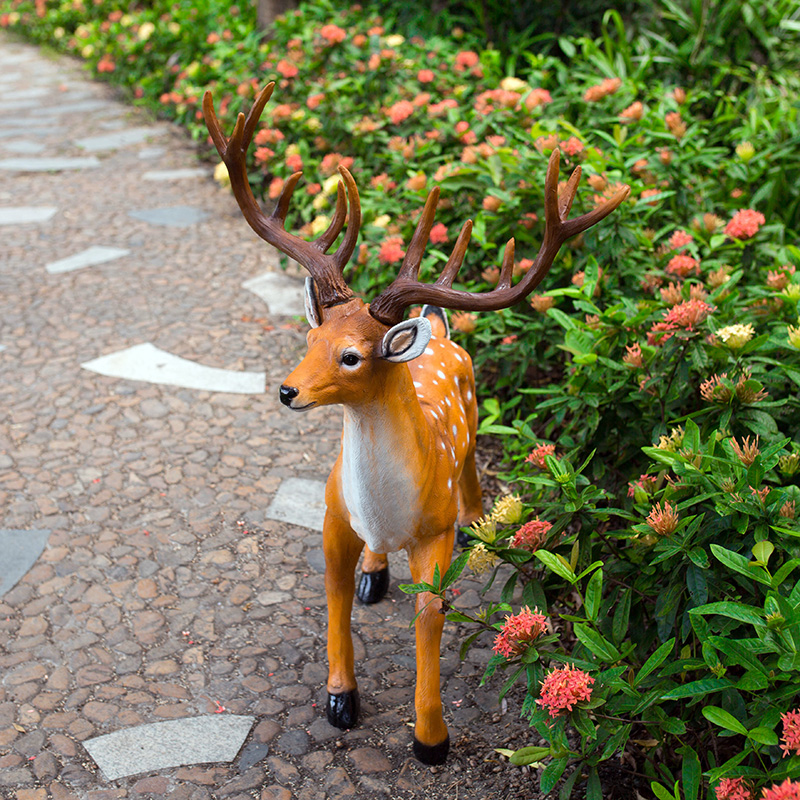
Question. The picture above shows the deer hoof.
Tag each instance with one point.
(431, 754)
(342, 709)
(372, 586)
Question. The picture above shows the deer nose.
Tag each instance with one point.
(288, 393)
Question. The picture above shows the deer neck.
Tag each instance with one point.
(386, 445)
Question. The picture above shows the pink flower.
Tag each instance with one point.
(466, 59)
(791, 732)
(332, 33)
(602, 89)
(788, 790)
(391, 250)
(745, 224)
(646, 483)
(679, 239)
(295, 162)
(683, 265)
(563, 688)
(439, 233)
(400, 111)
(633, 355)
(314, 100)
(633, 112)
(571, 146)
(332, 161)
(537, 97)
(287, 69)
(531, 536)
(537, 455)
(663, 521)
(518, 630)
(542, 302)
(734, 789)
(688, 314)
(425, 76)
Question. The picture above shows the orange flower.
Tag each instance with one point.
(532, 535)
(683, 265)
(391, 250)
(602, 89)
(563, 688)
(332, 33)
(664, 520)
(287, 69)
(632, 113)
(439, 234)
(745, 224)
(425, 76)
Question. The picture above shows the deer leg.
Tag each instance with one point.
(342, 548)
(374, 581)
(470, 497)
(431, 741)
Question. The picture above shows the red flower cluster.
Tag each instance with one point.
(518, 630)
(683, 265)
(531, 536)
(788, 790)
(734, 789)
(400, 111)
(646, 482)
(332, 33)
(563, 688)
(745, 224)
(679, 239)
(601, 90)
(791, 732)
(391, 250)
(537, 455)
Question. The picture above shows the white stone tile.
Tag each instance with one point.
(22, 215)
(170, 216)
(282, 294)
(116, 139)
(174, 743)
(20, 550)
(146, 362)
(175, 174)
(44, 164)
(24, 147)
(299, 501)
(92, 256)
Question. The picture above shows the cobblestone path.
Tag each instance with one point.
(152, 582)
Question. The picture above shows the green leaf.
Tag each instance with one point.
(529, 755)
(741, 564)
(551, 773)
(557, 564)
(694, 688)
(725, 720)
(690, 773)
(616, 743)
(416, 588)
(622, 611)
(764, 736)
(596, 643)
(594, 791)
(594, 594)
(734, 610)
(663, 794)
(455, 570)
(655, 661)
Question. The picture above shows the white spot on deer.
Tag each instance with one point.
(417, 384)
(435, 382)
(449, 483)
(441, 374)
(441, 444)
(435, 415)
(428, 351)
(459, 357)
(447, 400)
(455, 433)
(469, 395)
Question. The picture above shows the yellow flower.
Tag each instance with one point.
(792, 291)
(329, 187)
(382, 221)
(736, 336)
(745, 151)
(394, 41)
(146, 30)
(319, 224)
(87, 51)
(485, 528)
(507, 510)
(480, 559)
(673, 442)
(794, 337)
(174, 28)
(513, 85)
(320, 202)
(221, 174)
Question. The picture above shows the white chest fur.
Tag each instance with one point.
(380, 494)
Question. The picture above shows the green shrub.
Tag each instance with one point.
(661, 355)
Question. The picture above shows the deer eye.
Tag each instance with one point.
(350, 359)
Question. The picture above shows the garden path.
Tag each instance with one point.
(160, 554)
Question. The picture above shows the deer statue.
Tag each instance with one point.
(405, 477)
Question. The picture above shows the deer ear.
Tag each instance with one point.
(406, 340)
(313, 312)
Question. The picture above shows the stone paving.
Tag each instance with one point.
(160, 553)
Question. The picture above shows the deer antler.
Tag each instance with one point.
(406, 290)
(327, 270)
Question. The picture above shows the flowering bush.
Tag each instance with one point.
(662, 354)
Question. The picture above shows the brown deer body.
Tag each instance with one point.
(405, 476)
